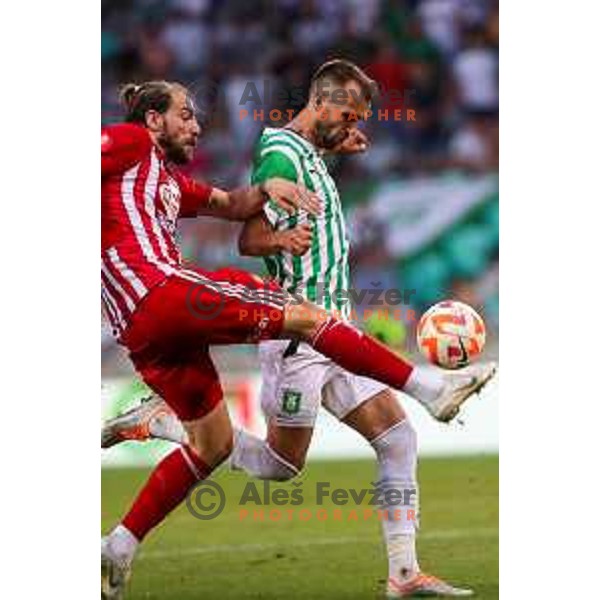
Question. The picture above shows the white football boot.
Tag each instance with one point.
(152, 419)
(115, 572)
(423, 585)
(459, 387)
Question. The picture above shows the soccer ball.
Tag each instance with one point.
(451, 334)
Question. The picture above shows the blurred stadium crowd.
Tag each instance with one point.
(446, 51)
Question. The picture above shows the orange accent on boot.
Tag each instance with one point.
(141, 431)
(413, 584)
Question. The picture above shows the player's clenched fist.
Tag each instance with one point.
(291, 196)
(296, 241)
(355, 141)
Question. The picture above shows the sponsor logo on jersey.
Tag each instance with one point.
(170, 194)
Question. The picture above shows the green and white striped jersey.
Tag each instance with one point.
(324, 268)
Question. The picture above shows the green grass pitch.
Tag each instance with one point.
(186, 558)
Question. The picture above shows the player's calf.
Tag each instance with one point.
(211, 437)
(396, 451)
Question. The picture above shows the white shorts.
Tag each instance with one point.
(294, 387)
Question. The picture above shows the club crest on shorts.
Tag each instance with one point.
(290, 401)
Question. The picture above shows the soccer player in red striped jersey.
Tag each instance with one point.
(167, 316)
(143, 195)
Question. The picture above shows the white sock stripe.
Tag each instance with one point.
(190, 463)
(282, 460)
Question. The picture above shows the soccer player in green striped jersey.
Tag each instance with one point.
(308, 255)
(324, 268)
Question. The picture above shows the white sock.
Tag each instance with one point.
(402, 555)
(258, 459)
(397, 459)
(123, 544)
(425, 384)
(166, 426)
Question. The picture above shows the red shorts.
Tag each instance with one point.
(170, 332)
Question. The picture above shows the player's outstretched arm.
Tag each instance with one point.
(243, 203)
(259, 238)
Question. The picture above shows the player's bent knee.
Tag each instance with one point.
(216, 454)
(398, 442)
(212, 449)
(303, 319)
(224, 450)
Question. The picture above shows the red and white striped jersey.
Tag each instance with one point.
(142, 198)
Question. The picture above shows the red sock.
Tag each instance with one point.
(166, 488)
(358, 353)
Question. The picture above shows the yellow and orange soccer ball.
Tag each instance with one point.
(451, 334)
